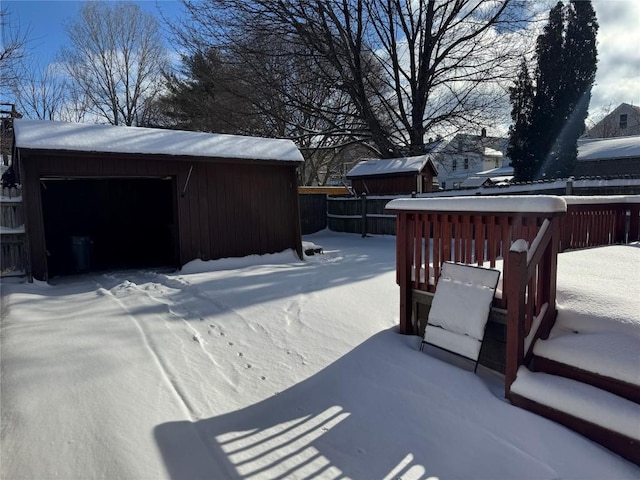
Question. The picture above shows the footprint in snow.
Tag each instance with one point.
(248, 365)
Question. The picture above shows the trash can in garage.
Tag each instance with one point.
(81, 247)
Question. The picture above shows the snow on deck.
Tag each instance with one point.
(580, 400)
(598, 323)
(82, 137)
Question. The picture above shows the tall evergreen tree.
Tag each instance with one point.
(546, 116)
(566, 66)
(519, 149)
(579, 63)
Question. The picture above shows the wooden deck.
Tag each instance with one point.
(526, 243)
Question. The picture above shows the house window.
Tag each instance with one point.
(454, 165)
(466, 164)
(623, 121)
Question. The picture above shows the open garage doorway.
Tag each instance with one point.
(97, 224)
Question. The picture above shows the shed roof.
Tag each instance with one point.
(609, 148)
(47, 135)
(475, 182)
(390, 166)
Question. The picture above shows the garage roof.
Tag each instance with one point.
(609, 148)
(83, 137)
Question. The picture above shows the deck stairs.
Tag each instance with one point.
(595, 392)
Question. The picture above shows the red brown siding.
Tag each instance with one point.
(229, 208)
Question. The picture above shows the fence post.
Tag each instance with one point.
(363, 198)
(634, 223)
(569, 186)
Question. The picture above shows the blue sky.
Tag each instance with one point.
(44, 21)
(617, 79)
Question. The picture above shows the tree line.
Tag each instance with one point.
(381, 74)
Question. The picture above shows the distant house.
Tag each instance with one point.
(466, 155)
(622, 122)
(494, 177)
(393, 175)
(603, 157)
(98, 197)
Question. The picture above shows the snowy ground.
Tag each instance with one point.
(264, 368)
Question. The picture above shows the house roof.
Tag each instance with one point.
(390, 166)
(491, 152)
(475, 182)
(46, 135)
(482, 145)
(496, 172)
(608, 148)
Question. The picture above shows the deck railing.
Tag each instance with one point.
(601, 220)
(520, 235)
(531, 309)
(477, 231)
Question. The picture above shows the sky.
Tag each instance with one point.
(269, 367)
(617, 79)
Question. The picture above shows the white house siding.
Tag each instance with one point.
(623, 121)
(482, 153)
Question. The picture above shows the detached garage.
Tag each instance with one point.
(100, 197)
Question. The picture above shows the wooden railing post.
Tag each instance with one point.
(515, 290)
(404, 255)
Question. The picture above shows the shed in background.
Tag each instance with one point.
(99, 197)
(393, 176)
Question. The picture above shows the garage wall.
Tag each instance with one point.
(230, 208)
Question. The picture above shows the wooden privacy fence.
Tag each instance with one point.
(12, 251)
(361, 215)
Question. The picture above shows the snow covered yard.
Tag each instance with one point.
(265, 367)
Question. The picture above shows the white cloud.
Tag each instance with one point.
(618, 75)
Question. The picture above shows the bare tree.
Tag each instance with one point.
(13, 42)
(41, 92)
(116, 58)
(407, 67)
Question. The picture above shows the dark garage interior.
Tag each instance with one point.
(97, 224)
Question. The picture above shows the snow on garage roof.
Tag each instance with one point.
(84, 137)
(387, 166)
(609, 148)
